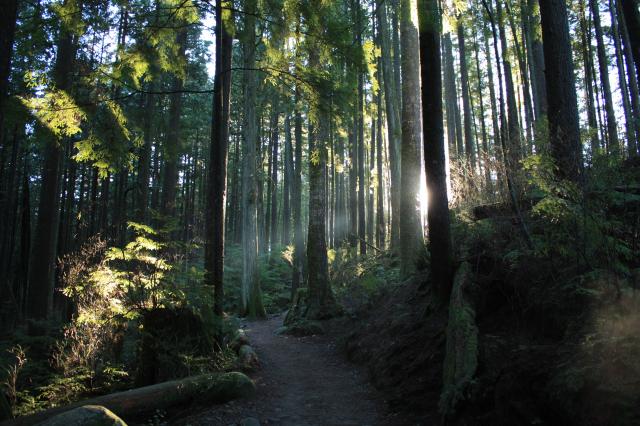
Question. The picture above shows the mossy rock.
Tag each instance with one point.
(247, 358)
(226, 387)
(87, 415)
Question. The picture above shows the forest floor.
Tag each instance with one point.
(301, 381)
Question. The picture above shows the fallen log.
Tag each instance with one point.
(93, 415)
(134, 403)
(461, 358)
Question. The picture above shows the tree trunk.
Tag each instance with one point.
(564, 131)
(391, 98)
(275, 133)
(440, 245)
(251, 292)
(590, 102)
(632, 79)
(381, 227)
(603, 64)
(514, 151)
(217, 170)
(492, 91)
(172, 148)
(298, 237)
(43, 253)
(632, 19)
(469, 145)
(622, 80)
(288, 178)
(410, 227)
(144, 164)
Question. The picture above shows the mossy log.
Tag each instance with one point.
(87, 415)
(461, 356)
(205, 388)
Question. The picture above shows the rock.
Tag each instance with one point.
(239, 340)
(248, 358)
(250, 421)
(88, 415)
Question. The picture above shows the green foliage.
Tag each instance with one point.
(275, 278)
(578, 225)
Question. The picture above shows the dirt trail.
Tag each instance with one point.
(302, 381)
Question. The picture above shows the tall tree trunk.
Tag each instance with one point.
(144, 164)
(251, 292)
(275, 133)
(298, 237)
(632, 79)
(360, 152)
(603, 64)
(622, 78)
(8, 18)
(492, 91)
(590, 102)
(451, 96)
(381, 227)
(440, 245)
(522, 65)
(217, 170)
(320, 297)
(530, 15)
(43, 253)
(485, 143)
(172, 148)
(394, 129)
(410, 227)
(514, 151)
(469, 144)
(353, 185)
(288, 178)
(372, 154)
(564, 131)
(632, 19)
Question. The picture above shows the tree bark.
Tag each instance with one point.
(410, 227)
(603, 65)
(564, 131)
(43, 253)
(469, 144)
(391, 98)
(217, 173)
(632, 20)
(172, 148)
(440, 246)
(251, 293)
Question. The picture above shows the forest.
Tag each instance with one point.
(319, 212)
